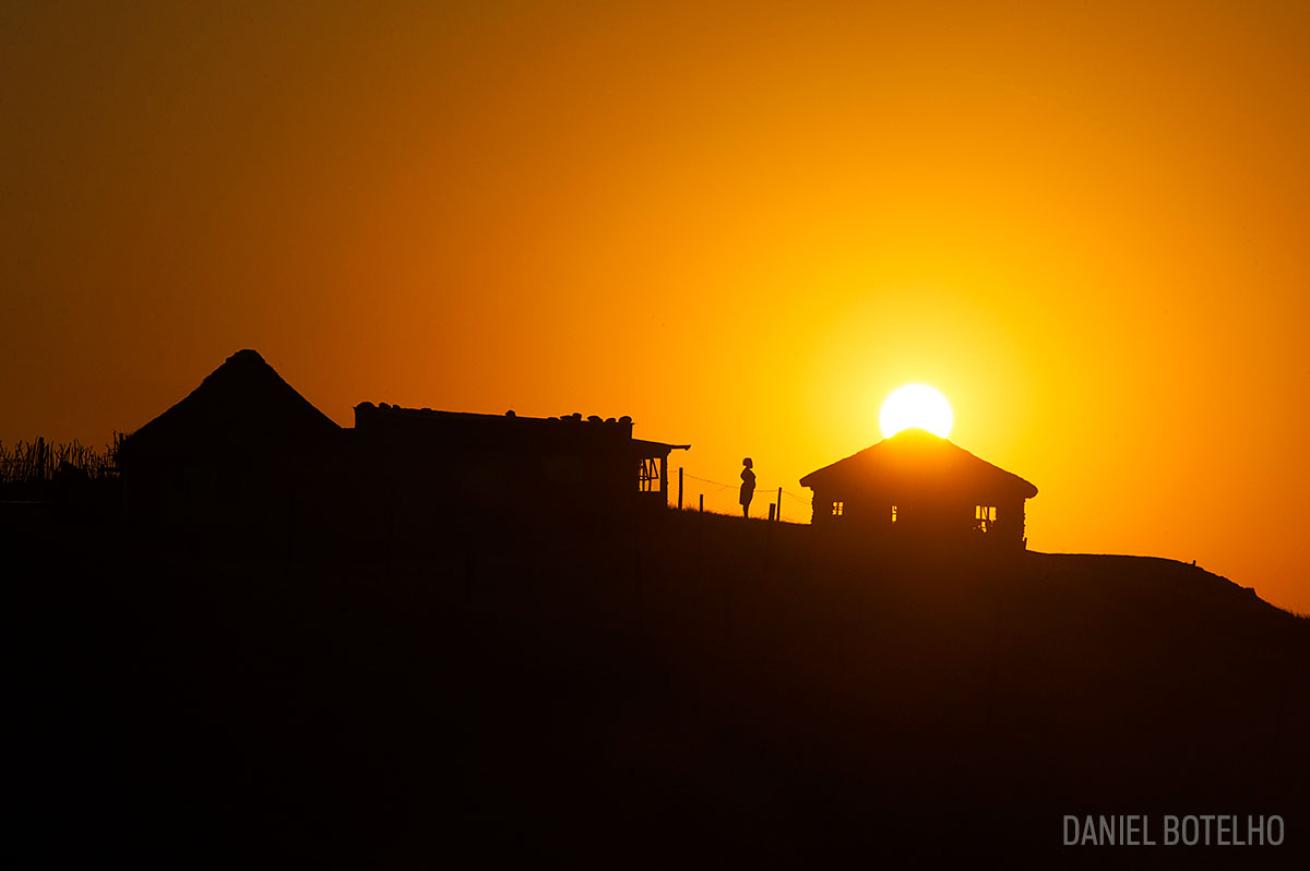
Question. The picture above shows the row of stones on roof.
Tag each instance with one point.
(387, 406)
(575, 417)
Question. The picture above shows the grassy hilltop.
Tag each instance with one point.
(697, 690)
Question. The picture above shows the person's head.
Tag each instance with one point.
(748, 463)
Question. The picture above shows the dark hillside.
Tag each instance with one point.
(695, 691)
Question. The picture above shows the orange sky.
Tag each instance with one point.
(1087, 224)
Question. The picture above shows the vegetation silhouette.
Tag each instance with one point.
(644, 688)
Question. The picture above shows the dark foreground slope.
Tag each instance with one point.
(700, 691)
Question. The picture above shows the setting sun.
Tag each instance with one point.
(916, 406)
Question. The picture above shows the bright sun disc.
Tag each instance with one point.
(916, 406)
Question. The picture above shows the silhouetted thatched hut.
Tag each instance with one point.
(917, 487)
(243, 449)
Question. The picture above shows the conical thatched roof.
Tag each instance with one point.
(242, 406)
(918, 461)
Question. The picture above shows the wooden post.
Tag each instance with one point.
(772, 509)
(679, 488)
(702, 502)
(664, 479)
(778, 516)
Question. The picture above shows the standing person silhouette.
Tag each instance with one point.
(747, 486)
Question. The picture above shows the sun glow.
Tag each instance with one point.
(916, 406)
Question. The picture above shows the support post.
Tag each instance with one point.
(702, 503)
(679, 488)
(772, 509)
(664, 479)
(778, 516)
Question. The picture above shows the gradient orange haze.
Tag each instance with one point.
(743, 225)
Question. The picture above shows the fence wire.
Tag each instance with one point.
(721, 486)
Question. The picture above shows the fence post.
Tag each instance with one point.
(679, 488)
(778, 516)
(702, 502)
(772, 511)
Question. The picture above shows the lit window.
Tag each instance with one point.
(893, 514)
(984, 516)
(838, 509)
